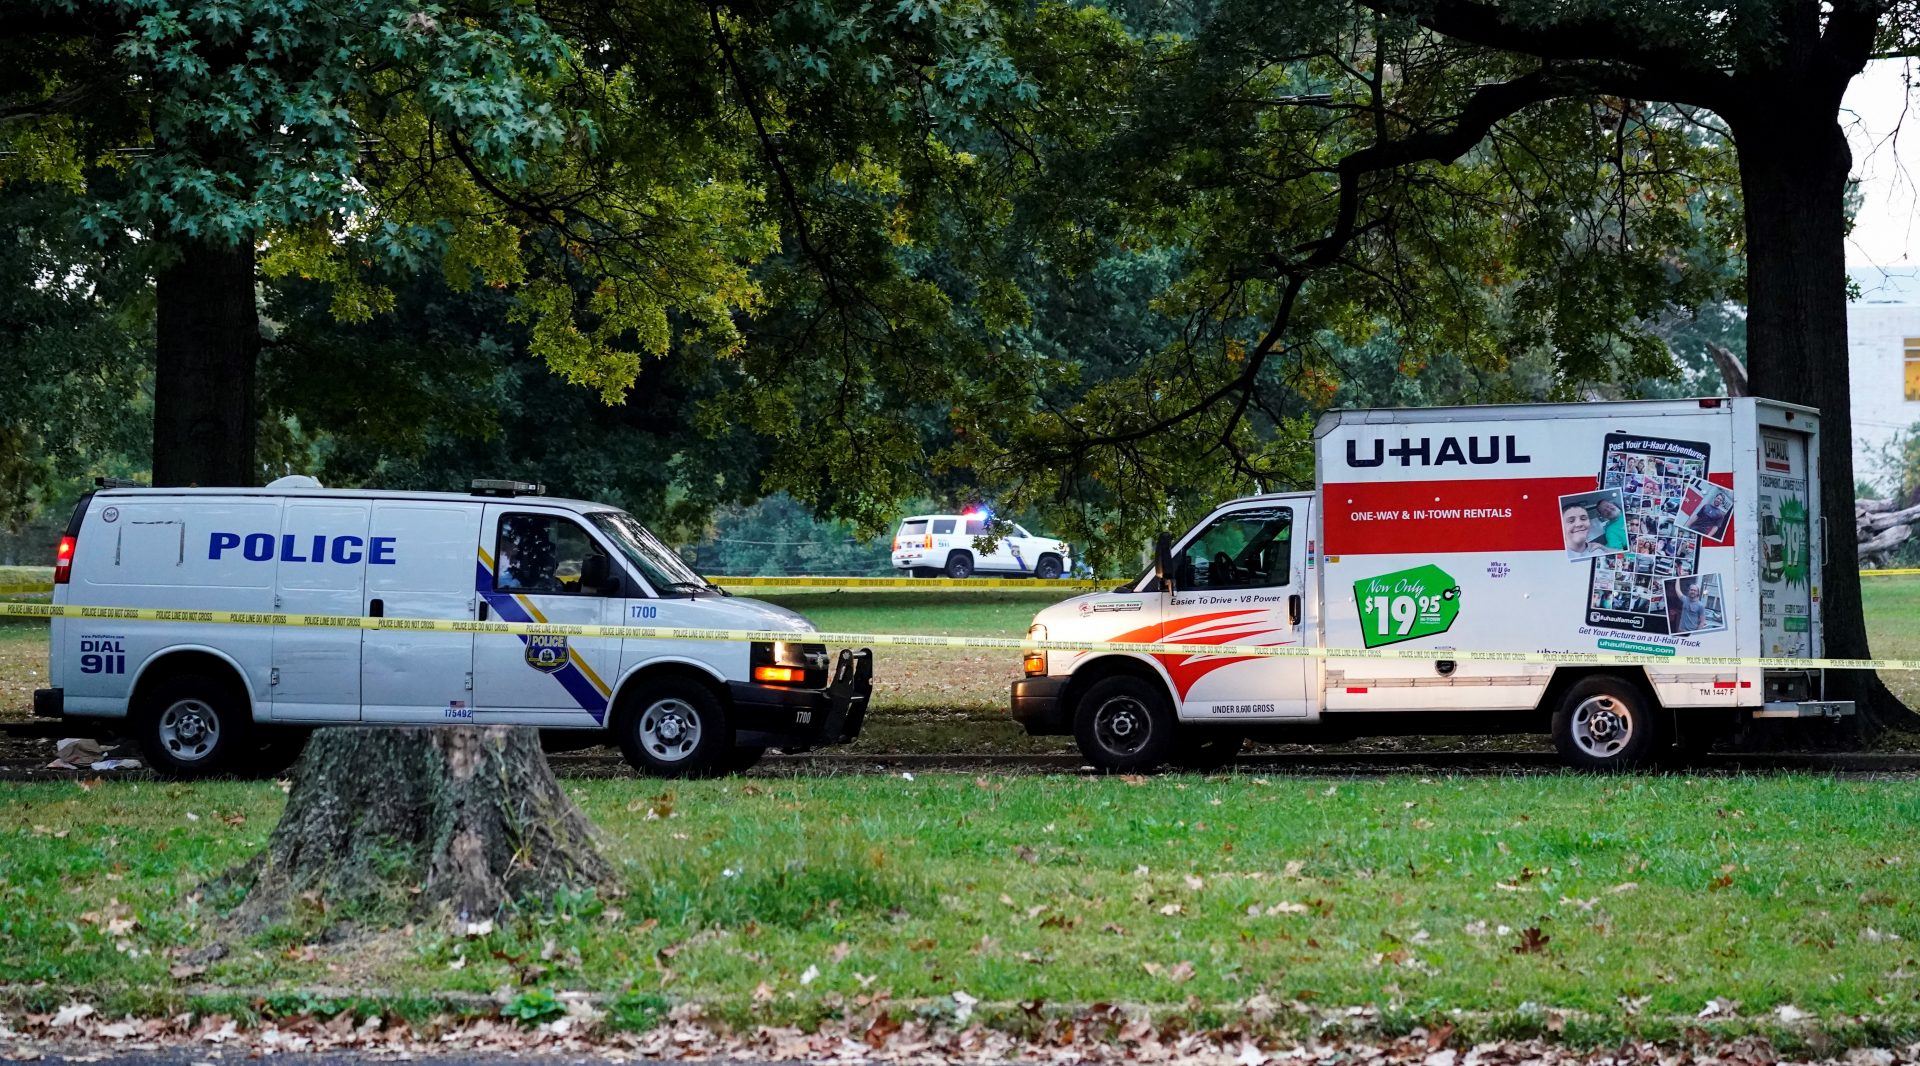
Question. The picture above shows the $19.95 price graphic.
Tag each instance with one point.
(1406, 605)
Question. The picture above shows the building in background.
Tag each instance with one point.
(1883, 361)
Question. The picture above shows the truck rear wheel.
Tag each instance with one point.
(1124, 724)
(1606, 723)
(960, 565)
(674, 727)
(192, 726)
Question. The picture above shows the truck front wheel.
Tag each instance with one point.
(1606, 723)
(1124, 724)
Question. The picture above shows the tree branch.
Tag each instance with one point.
(1659, 70)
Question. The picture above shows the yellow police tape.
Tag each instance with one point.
(431, 625)
(910, 582)
(896, 582)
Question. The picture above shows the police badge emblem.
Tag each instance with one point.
(547, 654)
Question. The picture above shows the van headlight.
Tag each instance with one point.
(1034, 663)
(784, 662)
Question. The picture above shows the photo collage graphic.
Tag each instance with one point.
(1643, 530)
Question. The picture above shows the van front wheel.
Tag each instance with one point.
(1606, 723)
(1124, 724)
(674, 728)
(193, 726)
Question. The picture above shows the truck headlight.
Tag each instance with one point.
(1034, 663)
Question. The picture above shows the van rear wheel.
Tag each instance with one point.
(1606, 723)
(1124, 724)
(674, 728)
(193, 726)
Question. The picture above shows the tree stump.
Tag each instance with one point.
(429, 822)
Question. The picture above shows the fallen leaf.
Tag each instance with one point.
(1532, 941)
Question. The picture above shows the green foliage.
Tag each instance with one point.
(775, 536)
(75, 351)
(637, 1011)
(534, 1006)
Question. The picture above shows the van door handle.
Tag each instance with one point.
(377, 609)
(1293, 608)
(483, 610)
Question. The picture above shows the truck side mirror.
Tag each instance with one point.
(1163, 561)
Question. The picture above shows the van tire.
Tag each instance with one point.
(1048, 568)
(960, 565)
(674, 727)
(1124, 724)
(192, 726)
(1606, 722)
(1205, 750)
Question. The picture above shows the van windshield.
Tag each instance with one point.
(659, 564)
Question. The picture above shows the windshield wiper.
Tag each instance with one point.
(691, 587)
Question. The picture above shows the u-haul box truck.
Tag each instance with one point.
(1666, 528)
(204, 698)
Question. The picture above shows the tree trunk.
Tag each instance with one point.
(206, 353)
(1793, 171)
(402, 824)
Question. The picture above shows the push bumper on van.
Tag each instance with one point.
(1037, 706)
(782, 716)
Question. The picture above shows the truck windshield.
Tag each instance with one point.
(659, 564)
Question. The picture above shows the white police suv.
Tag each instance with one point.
(205, 698)
(931, 545)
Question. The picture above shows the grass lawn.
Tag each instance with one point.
(1646, 898)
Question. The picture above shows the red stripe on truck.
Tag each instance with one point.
(1407, 517)
(1487, 515)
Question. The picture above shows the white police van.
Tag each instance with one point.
(205, 698)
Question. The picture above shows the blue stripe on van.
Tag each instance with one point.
(508, 609)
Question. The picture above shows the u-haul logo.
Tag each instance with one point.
(1489, 450)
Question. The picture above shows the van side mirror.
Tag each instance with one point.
(596, 575)
(1163, 561)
